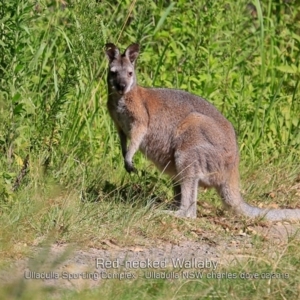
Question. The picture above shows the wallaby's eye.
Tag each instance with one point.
(129, 74)
(113, 73)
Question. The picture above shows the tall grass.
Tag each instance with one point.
(53, 76)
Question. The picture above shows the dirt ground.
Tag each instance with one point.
(66, 266)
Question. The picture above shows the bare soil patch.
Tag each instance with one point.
(67, 262)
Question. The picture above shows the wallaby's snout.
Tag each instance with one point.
(121, 75)
(121, 88)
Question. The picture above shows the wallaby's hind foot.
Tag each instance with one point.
(181, 213)
(184, 202)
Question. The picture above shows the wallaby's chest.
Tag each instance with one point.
(121, 114)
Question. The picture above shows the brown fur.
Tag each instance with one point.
(184, 135)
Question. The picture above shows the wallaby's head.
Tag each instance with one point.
(121, 76)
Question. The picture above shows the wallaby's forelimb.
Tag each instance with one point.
(123, 141)
(137, 135)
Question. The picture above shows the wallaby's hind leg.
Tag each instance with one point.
(188, 204)
(177, 195)
(185, 199)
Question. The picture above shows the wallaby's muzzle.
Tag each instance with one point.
(121, 88)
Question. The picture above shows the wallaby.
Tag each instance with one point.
(182, 134)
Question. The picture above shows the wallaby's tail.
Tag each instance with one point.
(269, 214)
(231, 197)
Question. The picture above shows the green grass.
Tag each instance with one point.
(53, 111)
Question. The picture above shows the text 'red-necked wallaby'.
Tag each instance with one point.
(182, 134)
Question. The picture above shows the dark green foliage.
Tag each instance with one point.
(242, 57)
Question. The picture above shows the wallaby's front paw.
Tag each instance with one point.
(129, 167)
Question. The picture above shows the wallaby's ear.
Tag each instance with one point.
(111, 51)
(132, 52)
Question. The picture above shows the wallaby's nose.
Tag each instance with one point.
(122, 87)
